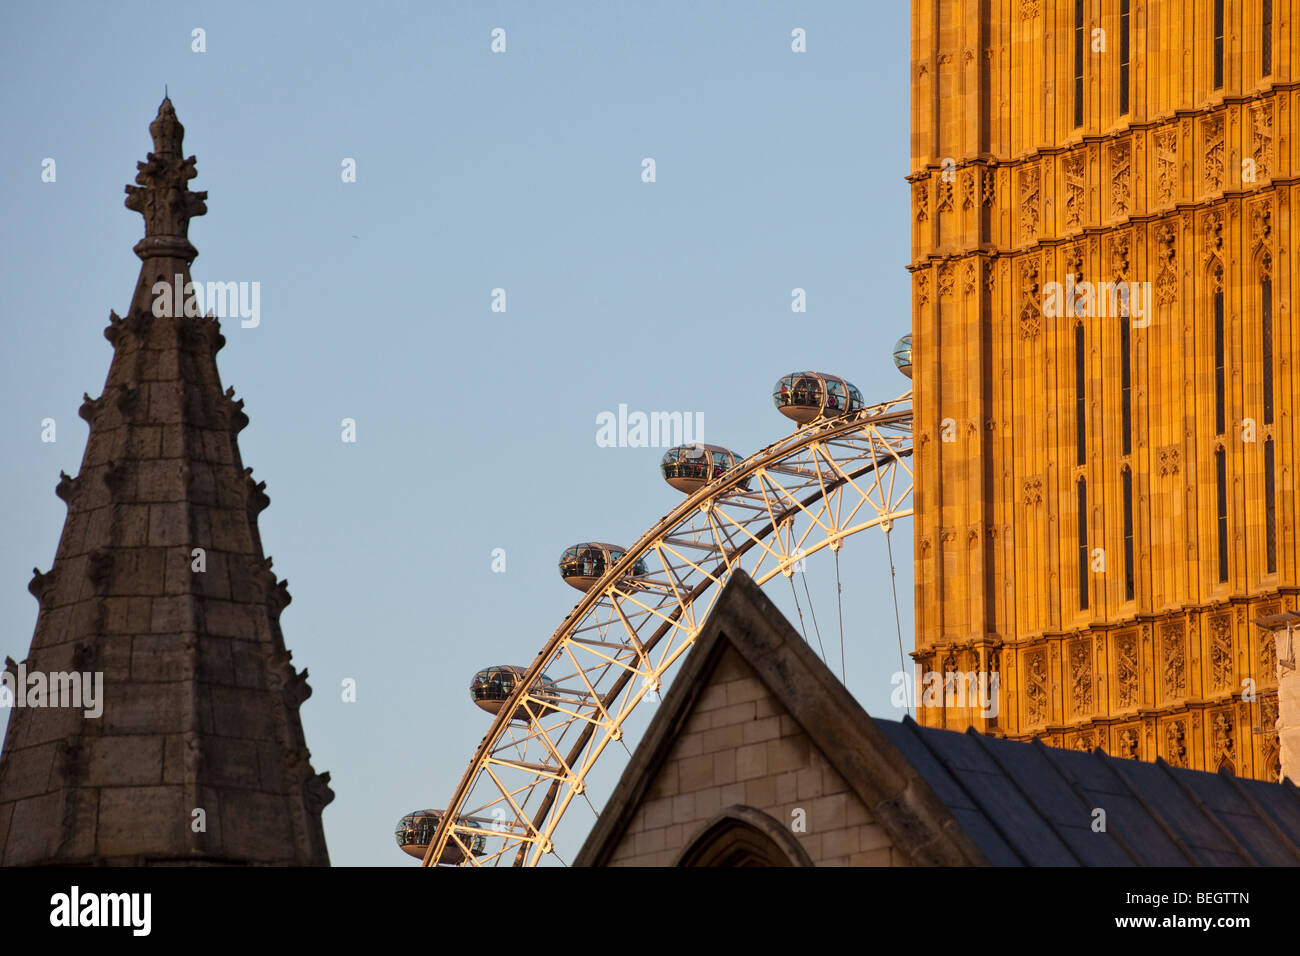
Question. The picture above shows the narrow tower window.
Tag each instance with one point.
(1083, 545)
(1270, 516)
(1125, 385)
(1078, 63)
(1219, 399)
(1128, 534)
(1080, 414)
(1266, 46)
(1266, 316)
(1221, 476)
(1218, 44)
(1124, 56)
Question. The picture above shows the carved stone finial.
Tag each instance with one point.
(162, 196)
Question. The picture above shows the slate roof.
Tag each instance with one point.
(1027, 804)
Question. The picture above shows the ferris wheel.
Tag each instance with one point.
(845, 469)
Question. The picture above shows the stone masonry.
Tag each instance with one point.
(160, 582)
(741, 746)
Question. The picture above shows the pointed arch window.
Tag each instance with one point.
(1270, 513)
(1221, 522)
(1125, 383)
(1220, 399)
(1078, 63)
(1127, 476)
(1266, 326)
(1266, 39)
(1124, 55)
(1080, 398)
(1218, 44)
(1083, 544)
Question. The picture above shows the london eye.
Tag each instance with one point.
(844, 470)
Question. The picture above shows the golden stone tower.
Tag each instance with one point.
(1105, 498)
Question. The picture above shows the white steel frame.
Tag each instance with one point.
(830, 479)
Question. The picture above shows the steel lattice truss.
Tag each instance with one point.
(809, 491)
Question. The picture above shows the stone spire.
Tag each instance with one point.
(161, 585)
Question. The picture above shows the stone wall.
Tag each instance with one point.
(740, 746)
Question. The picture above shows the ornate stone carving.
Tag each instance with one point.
(41, 585)
(1211, 237)
(1029, 9)
(90, 407)
(1173, 659)
(1175, 743)
(922, 286)
(1036, 686)
(1119, 255)
(1166, 255)
(1074, 262)
(1080, 677)
(66, 489)
(968, 278)
(1031, 301)
(1268, 713)
(988, 187)
(1083, 742)
(236, 420)
(1121, 168)
(1033, 490)
(945, 195)
(1269, 749)
(162, 195)
(1169, 459)
(921, 200)
(1261, 137)
(968, 188)
(1220, 652)
(256, 499)
(1267, 656)
(945, 280)
(1212, 133)
(1222, 727)
(1030, 196)
(316, 792)
(1075, 186)
(1166, 166)
(1126, 670)
(1261, 223)
(1128, 743)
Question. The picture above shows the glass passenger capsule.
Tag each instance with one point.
(903, 354)
(492, 687)
(808, 396)
(415, 831)
(689, 468)
(585, 564)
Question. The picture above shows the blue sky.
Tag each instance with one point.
(475, 430)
